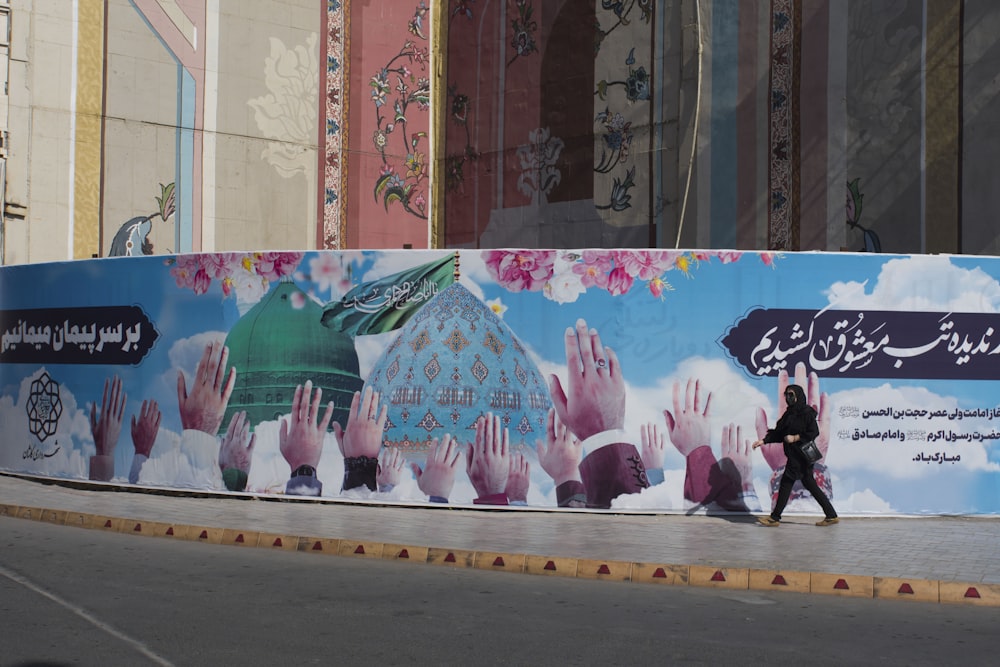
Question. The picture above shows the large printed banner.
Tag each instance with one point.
(601, 379)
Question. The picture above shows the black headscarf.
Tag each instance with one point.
(799, 419)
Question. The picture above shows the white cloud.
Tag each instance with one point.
(903, 437)
(922, 282)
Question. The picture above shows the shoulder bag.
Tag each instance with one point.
(810, 452)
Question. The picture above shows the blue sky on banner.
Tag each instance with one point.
(658, 341)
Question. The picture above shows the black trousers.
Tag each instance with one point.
(809, 482)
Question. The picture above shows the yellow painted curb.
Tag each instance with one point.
(53, 516)
(404, 552)
(550, 566)
(846, 585)
(499, 562)
(276, 541)
(450, 557)
(203, 534)
(603, 569)
(920, 590)
(320, 545)
(779, 580)
(980, 594)
(78, 519)
(660, 573)
(360, 549)
(720, 577)
(110, 523)
(240, 538)
(135, 527)
(9, 510)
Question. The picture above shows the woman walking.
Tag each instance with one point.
(797, 425)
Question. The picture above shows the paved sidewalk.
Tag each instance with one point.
(945, 559)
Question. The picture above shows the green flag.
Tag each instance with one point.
(387, 303)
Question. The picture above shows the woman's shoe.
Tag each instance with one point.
(768, 521)
(828, 521)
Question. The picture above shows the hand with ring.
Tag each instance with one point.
(593, 400)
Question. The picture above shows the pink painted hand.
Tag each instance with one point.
(237, 446)
(437, 477)
(145, 429)
(518, 479)
(204, 408)
(688, 424)
(488, 458)
(560, 453)
(593, 400)
(653, 446)
(108, 426)
(300, 438)
(365, 426)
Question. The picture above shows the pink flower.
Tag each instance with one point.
(594, 270)
(520, 269)
(769, 257)
(619, 281)
(185, 269)
(275, 265)
(729, 256)
(645, 264)
(657, 286)
(202, 281)
(216, 265)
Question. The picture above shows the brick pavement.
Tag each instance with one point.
(936, 559)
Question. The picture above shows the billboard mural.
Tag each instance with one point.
(597, 379)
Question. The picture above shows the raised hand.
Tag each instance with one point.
(390, 469)
(774, 453)
(594, 399)
(518, 479)
(108, 426)
(688, 424)
(365, 426)
(653, 447)
(145, 429)
(437, 477)
(488, 458)
(736, 461)
(559, 454)
(204, 408)
(237, 445)
(300, 438)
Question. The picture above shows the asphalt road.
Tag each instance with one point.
(72, 596)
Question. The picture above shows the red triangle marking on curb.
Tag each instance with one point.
(778, 581)
(972, 593)
(204, 535)
(498, 562)
(138, 528)
(404, 554)
(360, 549)
(659, 574)
(718, 576)
(905, 589)
(318, 546)
(450, 558)
(603, 569)
(841, 585)
(239, 538)
(170, 530)
(550, 566)
(277, 542)
(107, 524)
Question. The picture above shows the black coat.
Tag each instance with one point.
(799, 419)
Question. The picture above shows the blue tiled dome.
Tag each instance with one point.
(452, 362)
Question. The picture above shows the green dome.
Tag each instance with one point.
(279, 344)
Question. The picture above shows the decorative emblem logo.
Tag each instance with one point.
(44, 407)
